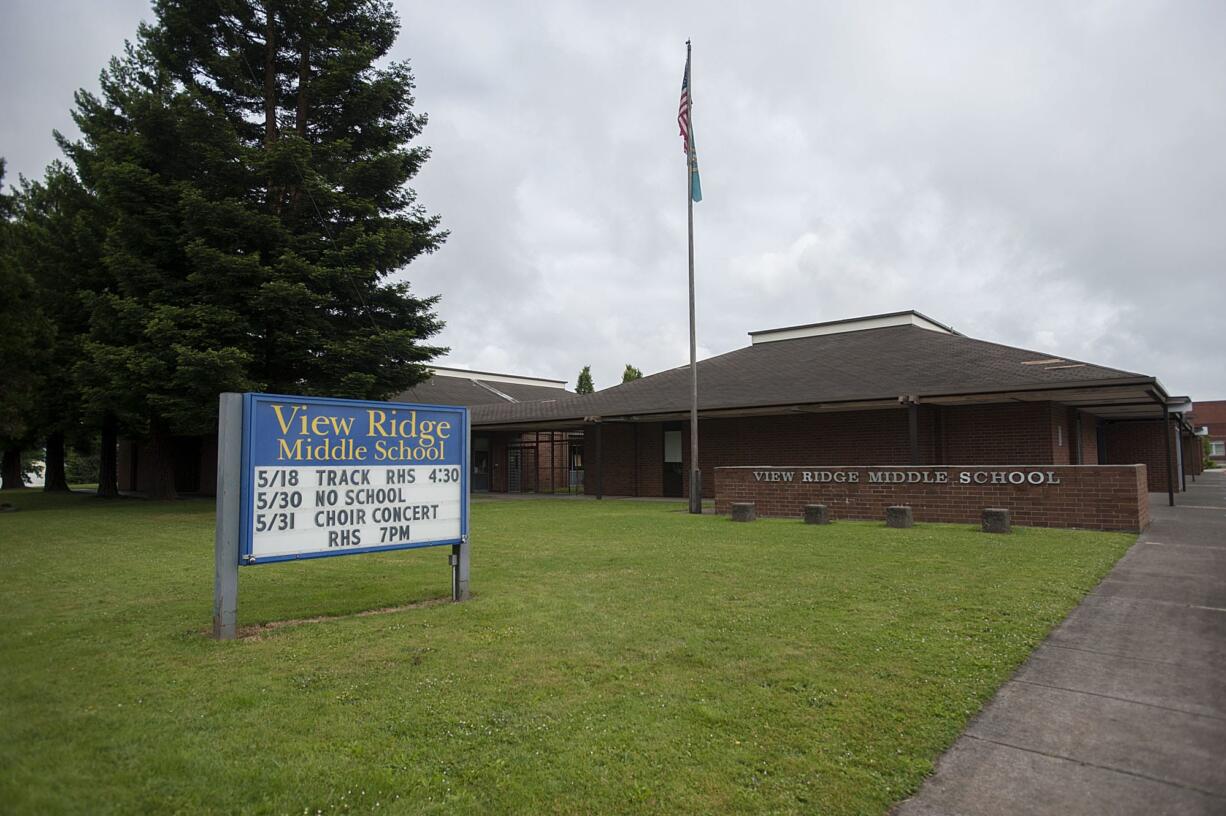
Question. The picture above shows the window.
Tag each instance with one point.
(672, 446)
(1217, 448)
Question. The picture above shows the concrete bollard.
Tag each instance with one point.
(899, 516)
(817, 514)
(996, 520)
(744, 511)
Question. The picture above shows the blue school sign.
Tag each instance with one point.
(325, 477)
(309, 477)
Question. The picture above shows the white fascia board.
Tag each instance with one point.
(502, 378)
(854, 324)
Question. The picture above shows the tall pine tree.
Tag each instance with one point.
(253, 162)
(24, 333)
(584, 384)
(58, 246)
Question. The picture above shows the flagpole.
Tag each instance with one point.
(695, 472)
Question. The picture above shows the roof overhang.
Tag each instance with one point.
(1130, 398)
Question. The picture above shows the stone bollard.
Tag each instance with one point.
(817, 514)
(996, 520)
(899, 516)
(744, 511)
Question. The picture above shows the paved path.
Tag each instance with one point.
(1122, 710)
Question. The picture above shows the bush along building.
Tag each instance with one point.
(898, 389)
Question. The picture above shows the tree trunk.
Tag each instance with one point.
(304, 75)
(270, 96)
(161, 464)
(54, 479)
(270, 74)
(108, 459)
(10, 469)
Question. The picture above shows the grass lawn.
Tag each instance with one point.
(619, 657)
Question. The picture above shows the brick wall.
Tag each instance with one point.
(1098, 497)
(1006, 433)
(195, 465)
(1089, 439)
(1140, 442)
(1211, 414)
(1193, 455)
(498, 461)
(1009, 434)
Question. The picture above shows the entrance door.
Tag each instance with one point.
(673, 482)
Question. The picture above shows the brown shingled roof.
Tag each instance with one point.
(870, 364)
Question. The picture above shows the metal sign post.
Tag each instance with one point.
(459, 552)
(310, 477)
(229, 515)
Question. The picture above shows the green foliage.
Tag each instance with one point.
(631, 374)
(60, 248)
(584, 384)
(81, 465)
(791, 668)
(249, 254)
(24, 331)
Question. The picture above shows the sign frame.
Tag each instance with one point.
(246, 536)
(232, 543)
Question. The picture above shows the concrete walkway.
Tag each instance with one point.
(1122, 710)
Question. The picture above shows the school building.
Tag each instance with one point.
(1209, 419)
(195, 457)
(897, 389)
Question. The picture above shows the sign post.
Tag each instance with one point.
(225, 541)
(308, 477)
(459, 552)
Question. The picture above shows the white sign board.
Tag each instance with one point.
(323, 477)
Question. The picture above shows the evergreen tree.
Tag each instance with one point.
(59, 249)
(23, 341)
(631, 374)
(584, 385)
(252, 161)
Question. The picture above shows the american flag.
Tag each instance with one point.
(684, 119)
(683, 113)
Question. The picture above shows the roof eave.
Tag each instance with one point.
(877, 401)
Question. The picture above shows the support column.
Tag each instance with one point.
(598, 460)
(1166, 444)
(460, 568)
(226, 533)
(913, 427)
(1183, 479)
(636, 459)
(1076, 443)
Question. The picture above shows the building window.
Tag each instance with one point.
(672, 446)
(1217, 448)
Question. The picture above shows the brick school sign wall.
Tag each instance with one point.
(1096, 497)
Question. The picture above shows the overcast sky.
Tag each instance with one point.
(1047, 175)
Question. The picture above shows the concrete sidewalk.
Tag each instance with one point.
(1122, 710)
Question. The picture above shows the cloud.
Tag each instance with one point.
(1048, 177)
